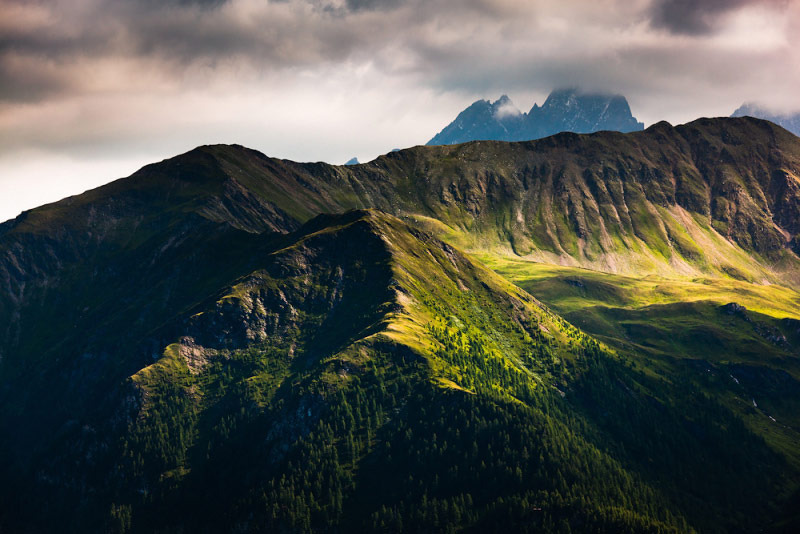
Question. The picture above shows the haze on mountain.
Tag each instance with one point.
(565, 110)
(226, 341)
(790, 121)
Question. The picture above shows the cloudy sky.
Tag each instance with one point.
(91, 90)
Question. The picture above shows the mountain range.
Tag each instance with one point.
(565, 110)
(582, 333)
(790, 121)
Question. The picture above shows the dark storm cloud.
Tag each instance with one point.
(20, 83)
(38, 55)
(466, 45)
(358, 5)
(176, 35)
(62, 48)
(693, 17)
(207, 4)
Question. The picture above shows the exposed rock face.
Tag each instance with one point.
(687, 191)
(565, 110)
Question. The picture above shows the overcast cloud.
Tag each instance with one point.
(90, 90)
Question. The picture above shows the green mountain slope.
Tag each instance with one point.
(364, 375)
(737, 340)
(717, 196)
(196, 348)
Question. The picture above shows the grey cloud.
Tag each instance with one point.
(158, 4)
(691, 17)
(172, 36)
(465, 46)
(359, 5)
(24, 83)
(178, 34)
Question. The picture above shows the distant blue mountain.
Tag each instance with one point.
(565, 110)
(787, 120)
(352, 161)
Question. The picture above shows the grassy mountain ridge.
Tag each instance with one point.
(715, 196)
(205, 328)
(656, 201)
(699, 198)
(362, 374)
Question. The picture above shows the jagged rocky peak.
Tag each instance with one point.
(575, 111)
(483, 120)
(790, 121)
(561, 98)
(564, 110)
(503, 107)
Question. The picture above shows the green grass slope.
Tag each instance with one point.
(360, 374)
(737, 341)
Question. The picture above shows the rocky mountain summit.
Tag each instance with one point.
(565, 110)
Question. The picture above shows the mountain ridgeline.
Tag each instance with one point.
(226, 342)
(564, 110)
(790, 121)
(715, 196)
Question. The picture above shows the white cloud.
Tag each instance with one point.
(507, 109)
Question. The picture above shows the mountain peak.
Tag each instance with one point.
(748, 109)
(561, 96)
(503, 107)
(566, 109)
(482, 120)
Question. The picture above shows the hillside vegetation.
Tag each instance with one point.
(229, 342)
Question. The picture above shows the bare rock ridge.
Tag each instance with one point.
(565, 110)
